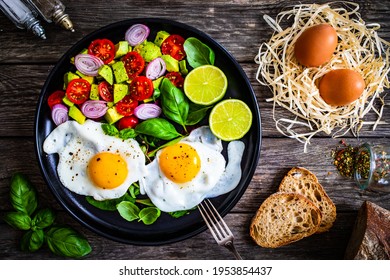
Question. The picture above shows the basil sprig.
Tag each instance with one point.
(39, 224)
(198, 53)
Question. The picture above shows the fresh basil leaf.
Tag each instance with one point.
(127, 133)
(43, 218)
(32, 240)
(178, 214)
(18, 220)
(149, 215)
(196, 113)
(109, 204)
(174, 103)
(128, 210)
(198, 53)
(157, 127)
(110, 129)
(67, 242)
(23, 195)
(134, 191)
(145, 201)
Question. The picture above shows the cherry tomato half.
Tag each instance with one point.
(134, 64)
(127, 122)
(103, 49)
(141, 88)
(106, 91)
(176, 79)
(78, 90)
(173, 45)
(126, 106)
(55, 98)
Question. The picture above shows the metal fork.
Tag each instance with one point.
(218, 227)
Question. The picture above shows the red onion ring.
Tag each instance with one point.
(88, 64)
(94, 109)
(156, 68)
(147, 111)
(136, 34)
(59, 114)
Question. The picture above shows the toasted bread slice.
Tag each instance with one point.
(284, 218)
(302, 181)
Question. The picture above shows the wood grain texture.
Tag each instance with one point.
(26, 61)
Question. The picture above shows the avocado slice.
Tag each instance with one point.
(68, 76)
(76, 114)
(120, 91)
(94, 94)
(148, 50)
(160, 37)
(121, 48)
(112, 115)
(171, 63)
(90, 79)
(106, 72)
(120, 72)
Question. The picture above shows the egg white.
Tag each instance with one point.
(76, 144)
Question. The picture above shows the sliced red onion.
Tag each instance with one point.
(94, 109)
(156, 68)
(59, 114)
(136, 34)
(88, 64)
(147, 111)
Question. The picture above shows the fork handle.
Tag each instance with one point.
(230, 246)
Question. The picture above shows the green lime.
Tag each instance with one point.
(230, 119)
(205, 85)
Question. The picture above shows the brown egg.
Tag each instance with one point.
(316, 45)
(341, 87)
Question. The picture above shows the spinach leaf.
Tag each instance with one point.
(134, 191)
(157, 127)
(145, 201)
(196, 113)
(149, 215)
(128, 210)
(23, 195)
(178, 214)
(18, 220)
(174, 103)
(110, 129)
(67, 242)
(109, 204)
(32, 240)
(198, 54)
(43, 219)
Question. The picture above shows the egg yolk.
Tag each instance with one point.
(107, 170)
(180, 162)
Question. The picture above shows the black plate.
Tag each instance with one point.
(166, 229)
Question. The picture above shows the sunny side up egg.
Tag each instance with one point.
(185, 173)
(92, 163)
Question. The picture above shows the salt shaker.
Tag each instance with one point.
(52, 11)
(372, 167)
(22, 16)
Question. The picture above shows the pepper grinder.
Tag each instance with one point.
(22, 16)
(52, 11)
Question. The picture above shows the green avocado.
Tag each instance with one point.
(76, 114)
(112, 115)
(90, 79)
(183, 67)
(120, 91)
(106, 72)
(120, 72)
(160, 37)
(121, 48)
(94, 94)
(171, 63)
(148, 50)
(68, 77)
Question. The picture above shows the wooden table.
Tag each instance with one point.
(25, 62)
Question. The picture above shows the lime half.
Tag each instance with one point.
(205, 85)
(230, 119)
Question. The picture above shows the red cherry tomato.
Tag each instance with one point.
(106, 91)
(134, 64)
(55, 98)
(173, 45)
(103, 49)
(127, 122)
(176, 79)
(78, 90)
(126, 106)
(141, 88)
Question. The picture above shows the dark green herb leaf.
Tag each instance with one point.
(32, 240)
(65, 241)
(110, 129)
(43, 219)
(157, 127)
(178, 214)
(128, 210)
(174, 103)
(145, 201)
(18, 220)
(198, 54)
(134, 191)
(196, 113)
(109, 204)
(23, 195)
(127, 133)
(149, 215)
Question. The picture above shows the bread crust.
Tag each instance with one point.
(284, 218)
(302, 181)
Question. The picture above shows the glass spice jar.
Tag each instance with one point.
(372, 167)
